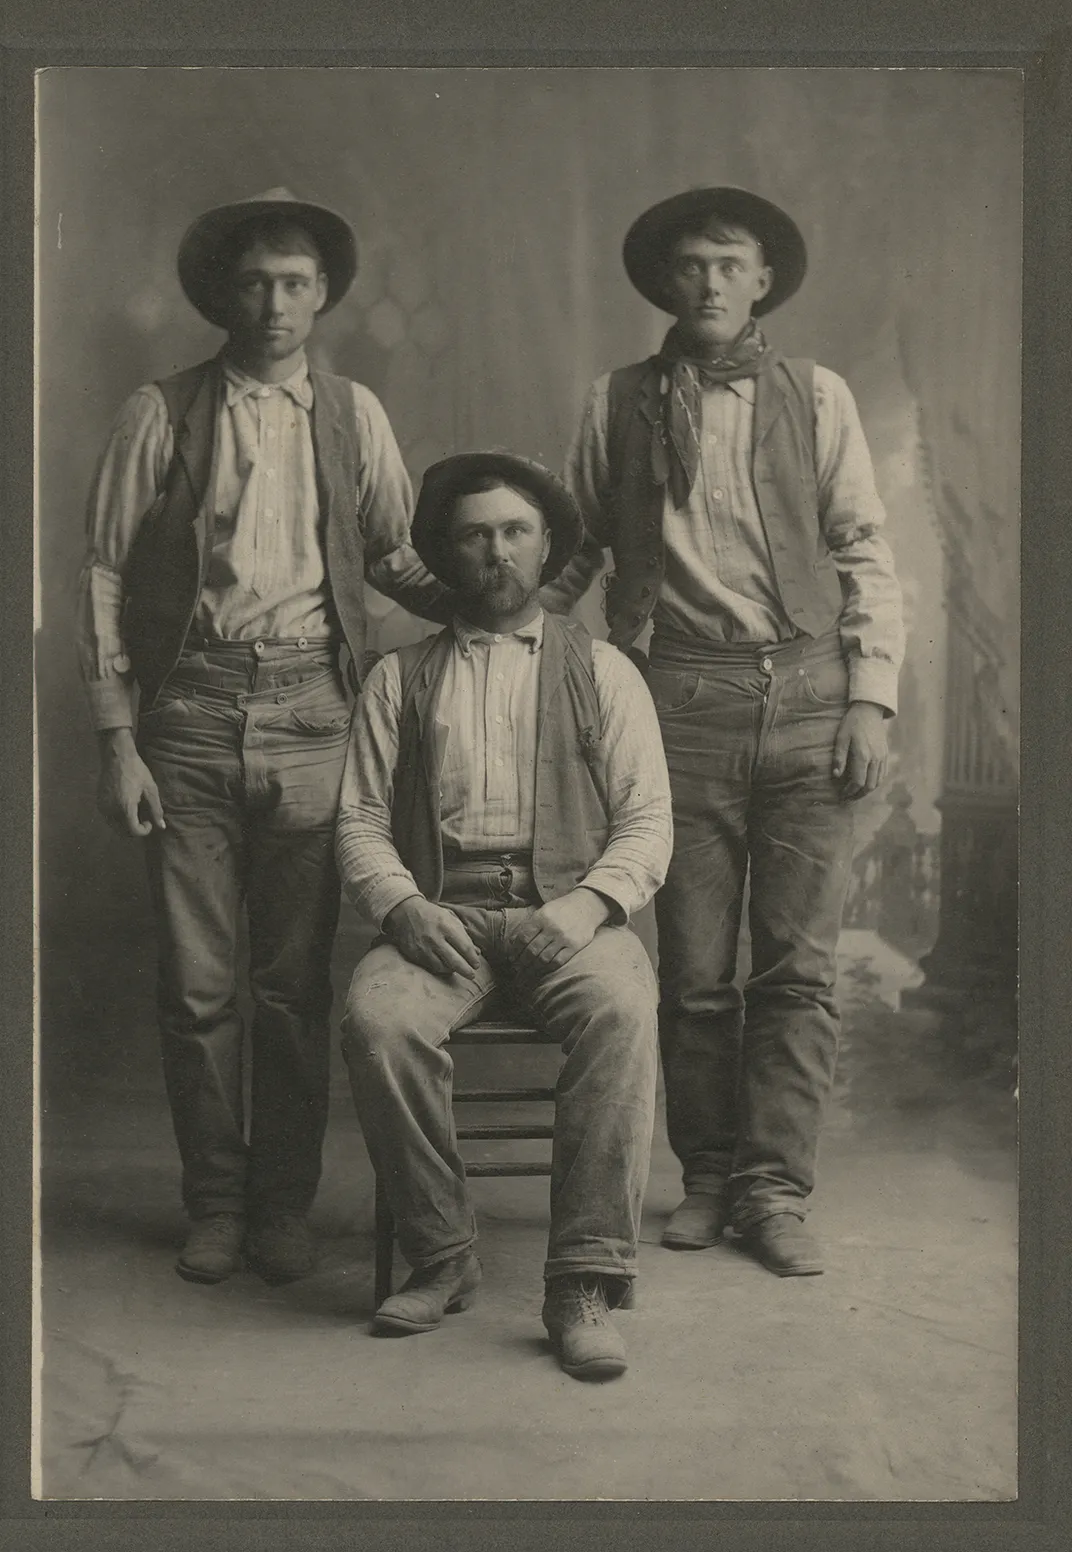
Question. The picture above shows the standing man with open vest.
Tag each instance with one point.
(735, 491)
(237, 511)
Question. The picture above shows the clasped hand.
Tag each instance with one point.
(545, 938)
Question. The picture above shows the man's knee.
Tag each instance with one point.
(386, 1015)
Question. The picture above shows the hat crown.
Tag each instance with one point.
(271, 196)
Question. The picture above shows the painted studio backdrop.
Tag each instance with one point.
(490, 207)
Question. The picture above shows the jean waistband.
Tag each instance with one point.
(488, 879)
(669, 650)
(227, 650)
(227, 673)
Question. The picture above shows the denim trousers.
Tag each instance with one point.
(246, 742)
(600, 1007)
(749, 737)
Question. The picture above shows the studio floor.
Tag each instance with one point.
(892, 1377)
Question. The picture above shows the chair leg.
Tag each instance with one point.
(385, 1244)
(628, 1298)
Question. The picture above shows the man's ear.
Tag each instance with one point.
(321, 290)
(766, 280)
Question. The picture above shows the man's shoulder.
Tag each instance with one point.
(613, 670)
(632, 374)
(363, 399)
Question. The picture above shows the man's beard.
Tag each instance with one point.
(502, 589)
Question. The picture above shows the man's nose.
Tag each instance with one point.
(273, 299)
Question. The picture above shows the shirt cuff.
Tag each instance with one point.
(379, 901)
(603, 881)
(110, 704)
(873, 679)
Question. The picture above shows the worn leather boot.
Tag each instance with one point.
(696, 1223)
(280, 1246)
(783, 1245)
(213, 1249)
(429, 1293)
(576, 1318)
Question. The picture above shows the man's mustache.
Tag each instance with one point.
(490, 577)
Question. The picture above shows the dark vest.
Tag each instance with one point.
(571, 791)
(783, 476)
(169, 559)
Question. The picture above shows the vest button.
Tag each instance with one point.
(644, 591)
(652, 562)
(638, 619)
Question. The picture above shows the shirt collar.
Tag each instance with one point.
(744, 388)
(468, 636)
(239, 384)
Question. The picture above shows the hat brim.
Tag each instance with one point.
(649, 240)
(199, 251)
(442, 483)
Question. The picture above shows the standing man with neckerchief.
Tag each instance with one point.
(735, 490)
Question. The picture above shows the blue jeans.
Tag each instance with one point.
(246, 745)
(749, 735)
(600, 1007)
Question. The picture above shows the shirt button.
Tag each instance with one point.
(498, 676)
(302, 643)
(121, 664)
(719, 494)
(258, 647)
(269, 511)
(270, 473)
(281, 699)
(263, 393)
(767, 665)
(498, 719)
(496, 638)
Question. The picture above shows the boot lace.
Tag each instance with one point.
(585, 1302)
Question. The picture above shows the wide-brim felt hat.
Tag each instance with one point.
(652, 235)
(202, 246)
(443, 481)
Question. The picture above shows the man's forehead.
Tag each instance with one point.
(501, 502)
(259, 256)
(733, 238)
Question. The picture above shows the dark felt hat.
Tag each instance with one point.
(202, 246)
(652, 235)
(443, 482)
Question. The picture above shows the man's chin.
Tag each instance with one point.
(503, 598)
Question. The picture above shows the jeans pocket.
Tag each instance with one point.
(165, 706)
(320, 724)
(673, 689)
(826, 685)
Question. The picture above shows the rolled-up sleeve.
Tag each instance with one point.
(852, 517)
(385, 511)
(128, 478)
(641, 834)
(373, 874)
